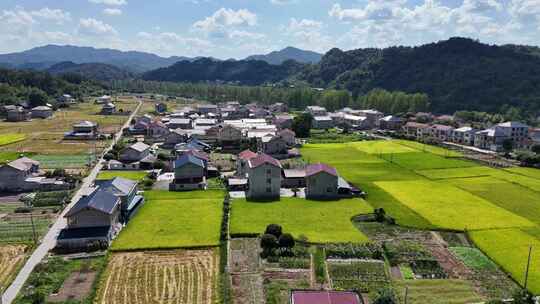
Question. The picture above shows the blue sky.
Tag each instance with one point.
(238, 28)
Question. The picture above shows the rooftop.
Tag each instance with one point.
(318, 168)
(262, 159)
(247, 154)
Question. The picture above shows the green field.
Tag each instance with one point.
(449, 207)
(133, 175)
(321, 222)
(63, 161)
(430, 188)
(473, 258)
(174, 220)
(509, 248)
(438, 292)
(10, 138)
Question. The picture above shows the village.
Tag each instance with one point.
(270, 217)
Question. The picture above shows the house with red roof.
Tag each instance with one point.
(321, 182)
(264, 177)
(242, 162)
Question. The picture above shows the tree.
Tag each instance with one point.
(302, 125)
(286, 240)
(380, 215)
(269, 243)
(385, 296)
(274, 230)
(37, 98)
(536, 148)
(522, 296)
(507, 145)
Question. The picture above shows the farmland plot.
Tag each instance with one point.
(160, 277)
(11, 256)
(7, 139)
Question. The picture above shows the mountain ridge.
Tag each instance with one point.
(288, 53)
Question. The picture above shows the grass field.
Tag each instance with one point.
(438, 292)
(45, 136)
(174, 220)
(182, 276)
(133, 175)
(430, 188)
(11, 257)
(473, 258)
(448, 207)
(320, 222)
(63, 161)
(509, 248)
(8, 138)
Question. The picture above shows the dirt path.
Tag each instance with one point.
(395, 272)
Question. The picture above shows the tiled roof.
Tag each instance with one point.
(23, 163)
(140, 146)
(100, 200)
(186, 158)
(317, 168)
(262, 159)
(118, 185)
(247, 154)
(198, 154)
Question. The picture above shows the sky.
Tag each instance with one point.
(239, 28)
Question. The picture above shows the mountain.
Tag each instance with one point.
(248, 72)
(288, 53)
(94, 71)
(457, 74)
(46, 56)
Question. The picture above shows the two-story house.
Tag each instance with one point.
(189, 174)
(264, 177)
(321, 182)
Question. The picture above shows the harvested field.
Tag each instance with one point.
(178, 276)
(438, 292)
(11, 256)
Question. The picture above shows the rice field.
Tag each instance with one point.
(133, 175)
(64, 161)
(160, 277)
(10, 138)
(11, 257)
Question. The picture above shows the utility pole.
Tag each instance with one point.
(527, 270)
(33, 226)
(406, 294)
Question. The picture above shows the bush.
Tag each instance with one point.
(274, 229)
(385, 296)
(22, 210)
(109, 156)
(286, 240)
(269, 243)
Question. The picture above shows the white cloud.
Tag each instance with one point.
(110, 2)
(282, 2)
(56, 15)
(92, 26)
(112, 11)
(223, 20)
(170, 42)
(308, 34)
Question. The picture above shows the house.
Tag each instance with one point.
(158, 130)
(65, 99)
(83, 130)
(324, 297)
(464, 136)
(189, 174)
(283, 121)
(264, 177)
(412, 129)
(14, 175)
(140, 127)
(200, 155)
(490, 139)
(288, 136)
(134, 153)
(321, 182)
(441, 132)
(160, 107)
(180, 123)
(322, 122)
(205, 122)
(230, 137)
(42, 112)
(18, 114)
(103, 99)
(294, 178)
(242, 162)
(534, 134)
(391, 122)
(273, 145)
(316, 111)
(278, 107)
(372, 117)
(108, 109)
(126, 190)
(174, 138)
(355, 122)
(207, 109)
(517, 132)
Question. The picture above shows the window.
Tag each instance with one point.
(268, 180)
(268, 171)
(329, 189)
(268, 190)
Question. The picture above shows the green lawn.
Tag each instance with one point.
(381, 147)
(530, 172)
(436, 174)
(10, 138)
(449, 207)
(509, 248)
(438, 292)
(426, 160)
(473, 258)
(133, 175)
(63, 161)
(429, 148)
(174, 220)
(321, 222)
(6, 157)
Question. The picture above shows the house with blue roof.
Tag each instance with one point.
(99, 216)
(189, 173)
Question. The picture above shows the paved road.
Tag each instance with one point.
(49, 241)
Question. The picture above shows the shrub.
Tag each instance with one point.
(22, 210)
(286, 240)
(109, 156)
(385, 296)
(274, 229)
(269, 243)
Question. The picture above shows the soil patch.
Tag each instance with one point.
(75, 288)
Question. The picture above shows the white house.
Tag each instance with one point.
(264, 177)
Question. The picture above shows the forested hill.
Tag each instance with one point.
(249, 72)
(95, 71)
(457, 73)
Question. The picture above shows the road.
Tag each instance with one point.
(49, 241)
